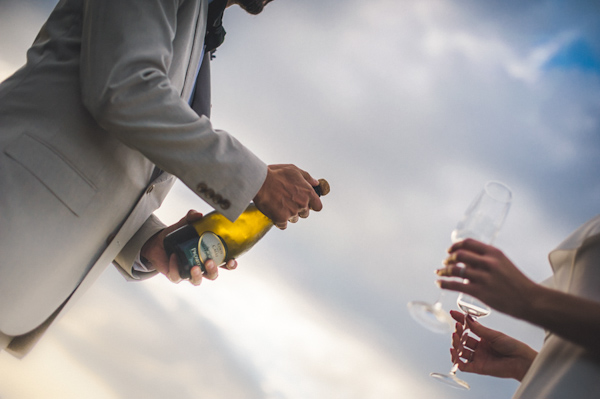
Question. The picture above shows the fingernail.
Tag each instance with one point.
(438, 283)
(444, 272)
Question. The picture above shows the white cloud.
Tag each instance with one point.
(300, 350)
(42, 375)
(531, 66)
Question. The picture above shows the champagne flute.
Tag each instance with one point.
(431, 315)
(482, 221)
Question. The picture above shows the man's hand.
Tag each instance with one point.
(154, 252)
(287, 194)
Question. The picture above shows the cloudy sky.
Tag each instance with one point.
(407, 107)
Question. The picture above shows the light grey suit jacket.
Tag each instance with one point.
(102, 100)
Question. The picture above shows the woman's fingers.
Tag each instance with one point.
(467, 355)
(470, 244)
(470, 342)
(464, 257)
(461, 356)
(458, 316)
(464, 286)
(463, 272)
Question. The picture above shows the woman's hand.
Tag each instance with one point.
(154, 252)
(493, 353)
(487, 274)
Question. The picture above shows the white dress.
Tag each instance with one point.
(564, 369)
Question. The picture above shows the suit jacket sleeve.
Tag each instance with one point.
(127, 56)
(130, 251)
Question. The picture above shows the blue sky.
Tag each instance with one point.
(407, 108)
(577, 55)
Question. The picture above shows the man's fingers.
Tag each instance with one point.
(193, 216)
(230, 265)
(189, 218)
(173, 272)
(196, 275)
(315, 203)
(303, 213)
(311, 180)
(212, 271)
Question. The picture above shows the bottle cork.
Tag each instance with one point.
(323, 188)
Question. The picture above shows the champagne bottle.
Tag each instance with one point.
(216, 237)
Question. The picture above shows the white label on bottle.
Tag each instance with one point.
(210, 246)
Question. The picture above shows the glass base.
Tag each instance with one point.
(432, 317)
(451, 380)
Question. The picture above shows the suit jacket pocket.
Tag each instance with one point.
(53, 171)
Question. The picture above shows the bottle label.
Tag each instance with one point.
(211, 246)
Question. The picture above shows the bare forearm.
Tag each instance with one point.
(570, 317)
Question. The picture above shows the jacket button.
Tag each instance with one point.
(202, 187)
(225, 204)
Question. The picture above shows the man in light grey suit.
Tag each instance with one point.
(93, 130)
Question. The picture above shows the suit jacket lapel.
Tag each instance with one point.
(197, 51)
(201, 99)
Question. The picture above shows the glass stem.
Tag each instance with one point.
(463, 338)
(454, 368)
(438, 302)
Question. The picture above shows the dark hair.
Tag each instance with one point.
(253, 6)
